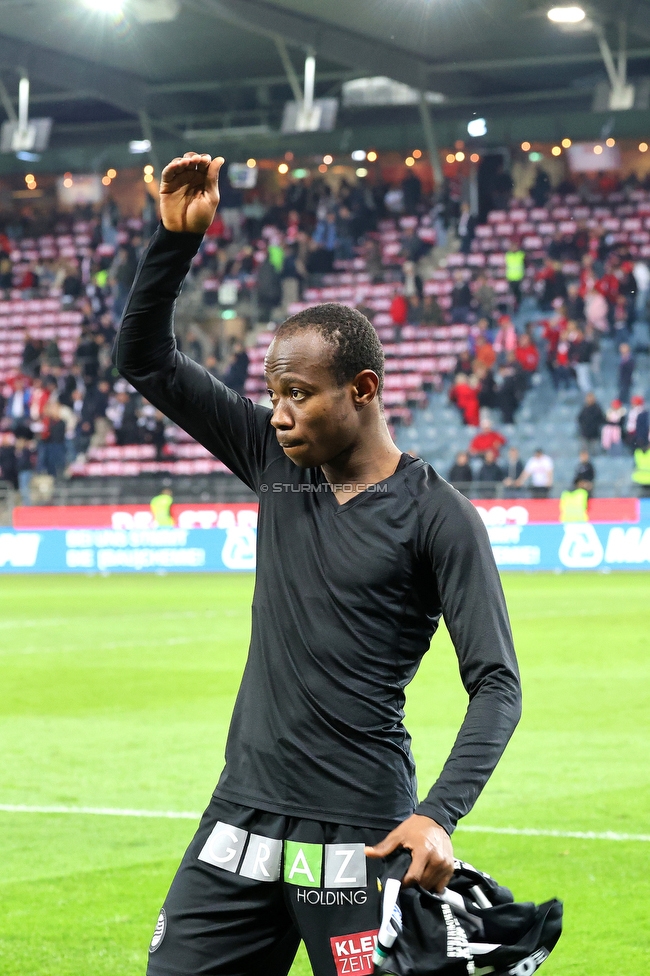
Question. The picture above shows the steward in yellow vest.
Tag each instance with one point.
(515, 265)
(515, 271)
(573, 505)
(161, 508)
(641, 473)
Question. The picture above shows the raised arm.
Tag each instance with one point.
(234, 429)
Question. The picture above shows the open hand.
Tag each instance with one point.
(432, 856)
(189, 192)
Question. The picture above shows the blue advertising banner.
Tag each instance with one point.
(128, 550)
(583, 545)
(573, 545)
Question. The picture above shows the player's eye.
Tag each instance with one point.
(271, 394)
(297, 395)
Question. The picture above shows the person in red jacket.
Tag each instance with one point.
(553, 329)
(562, 370)
(527, 355)
(587, 277)
(608, 287)
(399, 309)
(487, 440)
(464, 394)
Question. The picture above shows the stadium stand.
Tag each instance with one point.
(582, 231)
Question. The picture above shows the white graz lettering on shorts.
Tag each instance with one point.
(345, 866)
(260, 858)
(263, 859)
(224, 847)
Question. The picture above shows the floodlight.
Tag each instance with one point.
(359, 155)
(566, 15)
(33, 138)
(477, 127)
(139, 146)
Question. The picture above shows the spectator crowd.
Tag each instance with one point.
(585, 286)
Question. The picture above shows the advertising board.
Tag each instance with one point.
(514, 511)
(222, 538)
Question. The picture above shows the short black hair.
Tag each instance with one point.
(355, 344)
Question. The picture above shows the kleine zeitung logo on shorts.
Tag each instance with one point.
(353, 953)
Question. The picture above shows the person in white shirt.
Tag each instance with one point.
(539, 469)
(641, 274)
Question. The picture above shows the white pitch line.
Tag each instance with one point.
(533, 832)
(101, 811)
(191, 815)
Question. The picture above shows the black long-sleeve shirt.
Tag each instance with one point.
(347, 598)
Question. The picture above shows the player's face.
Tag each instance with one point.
(315, 419)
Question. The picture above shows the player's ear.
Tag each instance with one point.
(365, 387)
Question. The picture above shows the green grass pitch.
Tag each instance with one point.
(116, 692)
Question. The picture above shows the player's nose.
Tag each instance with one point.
(282, 418)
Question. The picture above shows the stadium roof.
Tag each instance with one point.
(164, 67)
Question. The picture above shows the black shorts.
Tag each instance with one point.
(253, 884)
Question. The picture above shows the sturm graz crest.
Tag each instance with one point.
(159, 931)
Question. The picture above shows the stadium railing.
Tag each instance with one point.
(224, 488)
(605, 488)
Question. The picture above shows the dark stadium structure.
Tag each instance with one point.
(165, 67)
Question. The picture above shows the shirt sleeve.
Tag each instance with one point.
(237, 431)
(474, 610)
